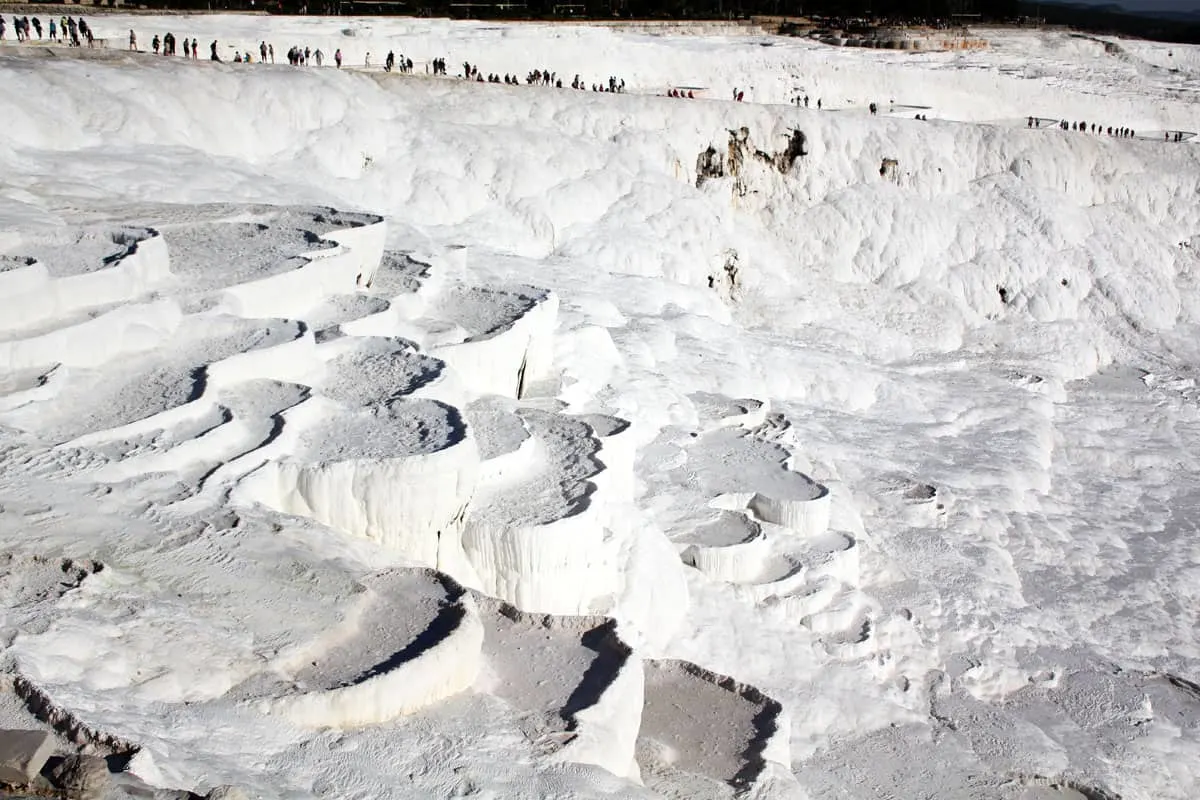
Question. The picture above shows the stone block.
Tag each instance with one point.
(227, 793)
(23, 754)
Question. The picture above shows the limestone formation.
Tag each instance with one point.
(709, 164)
(889, 169)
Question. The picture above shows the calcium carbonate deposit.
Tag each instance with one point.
(371, 434)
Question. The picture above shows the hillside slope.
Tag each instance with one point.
(860, 468)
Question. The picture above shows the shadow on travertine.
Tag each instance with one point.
(705, 731)
(550, 668)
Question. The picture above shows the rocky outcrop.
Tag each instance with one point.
(23, 754)
(66, 723)
(82, 777)
(712, 165)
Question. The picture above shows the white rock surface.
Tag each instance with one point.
(1007, 333)
(505, 357)
(402, 478)
(445, 669)
(127, 265)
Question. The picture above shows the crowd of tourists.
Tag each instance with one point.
(67, 30)
(1106, 130)
(167, 45)
(538, 77)
(1088, 127)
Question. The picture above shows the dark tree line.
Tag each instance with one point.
(1113, 20)
(922, 10)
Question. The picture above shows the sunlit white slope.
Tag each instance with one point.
(548, 173)
(1021, 607)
